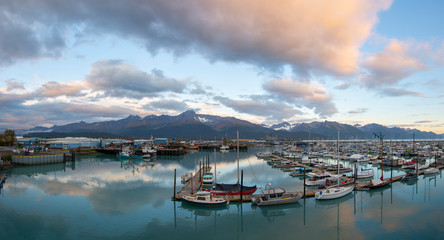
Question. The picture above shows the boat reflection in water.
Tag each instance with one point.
(271, 212)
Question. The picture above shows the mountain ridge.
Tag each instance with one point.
(190, 125)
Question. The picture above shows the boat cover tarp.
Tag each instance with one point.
(232, 187)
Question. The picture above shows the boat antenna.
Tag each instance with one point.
(237, 156)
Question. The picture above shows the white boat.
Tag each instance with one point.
(186, 177)
(224, 148)
(359, 158)
(431, 170)
(337, 191)
(365, 174)
(205, 199)
(334, 192)
(275, 196)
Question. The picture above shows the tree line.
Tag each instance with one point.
(8, 138)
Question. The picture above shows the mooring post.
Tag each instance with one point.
(174, 195)
(304, 180)
(241, 186)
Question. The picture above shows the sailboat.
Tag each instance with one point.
(378, 183)
(335, 192)
(233, 189)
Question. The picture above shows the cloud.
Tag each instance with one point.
(308, 94)
(118, 79)
(16, 113)
(14, 85)
(22, 39)
(394, 92)
(167, 104)
(54, 89)
(424, 121)
(389, 67)
(358, 111)
(322, 37)
(342, 86)
(267, 108)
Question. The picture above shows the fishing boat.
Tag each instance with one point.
(128, 153)
(205, 199)
(275, 196)
(337, 191)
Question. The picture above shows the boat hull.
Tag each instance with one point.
(205, 203)
(285, 200)
(333, 193)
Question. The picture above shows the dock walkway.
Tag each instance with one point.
(193, 185)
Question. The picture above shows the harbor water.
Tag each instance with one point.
(102, 197)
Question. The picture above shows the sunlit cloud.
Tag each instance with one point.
(390, 66)
(308, 94)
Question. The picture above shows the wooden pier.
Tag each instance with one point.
(193, 185)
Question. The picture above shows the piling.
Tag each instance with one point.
(241, 186)
(174, 195)
(304, 181)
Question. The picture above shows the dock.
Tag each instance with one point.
(193, 185)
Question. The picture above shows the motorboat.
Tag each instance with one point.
(208, 178)
(334, 192)
(186, 177)
(319, 179)
(275, 196)
(205, 199)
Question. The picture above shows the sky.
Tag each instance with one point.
(350, 61)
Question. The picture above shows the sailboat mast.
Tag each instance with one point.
(237, 156)
(215, 171)
(337, 150)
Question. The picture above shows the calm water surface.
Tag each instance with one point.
(101, 197)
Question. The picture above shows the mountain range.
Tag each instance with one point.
(190, 125)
